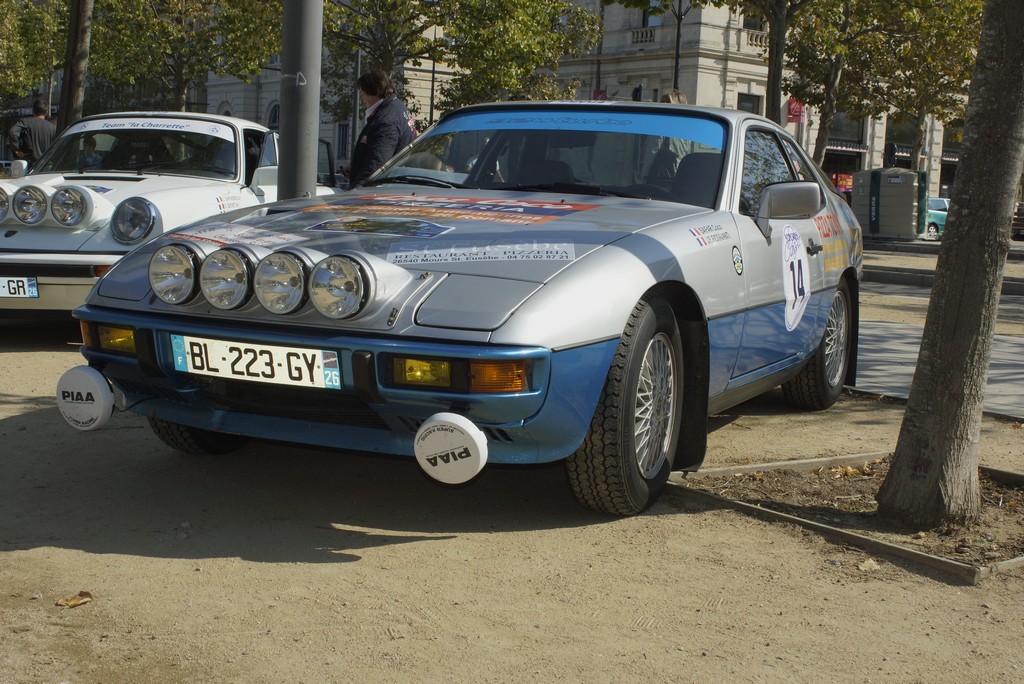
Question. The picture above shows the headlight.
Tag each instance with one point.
(224, 279)
(5, 204)
(132, 220)
(280, 283)
(337, 287)
(68, 206)
(172, 274)
(30, 205)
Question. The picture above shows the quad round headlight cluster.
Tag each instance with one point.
(338, 286)
(68, 206)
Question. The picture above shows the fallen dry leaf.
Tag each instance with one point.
(75, 601)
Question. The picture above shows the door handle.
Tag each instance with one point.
(812, 248)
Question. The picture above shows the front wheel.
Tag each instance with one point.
(819, 383)
(932, 232)
(624, 461)
(195, 441)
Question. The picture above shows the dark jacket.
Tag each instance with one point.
(385, 133)
(30, 136)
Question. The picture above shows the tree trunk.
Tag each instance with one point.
(920, 123)
(828, 108)
(76, 61)
(934, 475)
(777, 28)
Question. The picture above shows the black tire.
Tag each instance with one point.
(820, 382)
(195, 441)
(615, 470)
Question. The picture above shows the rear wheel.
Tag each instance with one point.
(195, 441)
(820, 382)
(624, 461)
(932, 232)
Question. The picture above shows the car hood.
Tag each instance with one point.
(114, 187)
(516, 236)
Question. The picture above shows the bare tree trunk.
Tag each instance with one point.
(778, 25)
(76, 61)
(919, 135)
(934, 474)
(828, 108)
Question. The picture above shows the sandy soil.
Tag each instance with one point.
(283, 564)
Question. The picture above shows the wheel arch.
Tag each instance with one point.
(693, 329)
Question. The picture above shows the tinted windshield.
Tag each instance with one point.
(166, 146)
(628, 153)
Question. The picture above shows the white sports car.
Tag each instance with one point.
(525, 283)
(113, 180)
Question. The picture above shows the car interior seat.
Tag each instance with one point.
(698, 177)
(549, 171)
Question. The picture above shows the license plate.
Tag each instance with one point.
(293, 366)
(18, 287)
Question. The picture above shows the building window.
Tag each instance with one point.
(752, 22)
(846, 128)
(651, 20)
(274, 117)
(343, 141)
(745, 102)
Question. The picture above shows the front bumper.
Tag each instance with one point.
(546, 423)
(62, 280)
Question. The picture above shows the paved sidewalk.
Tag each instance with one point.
(888, 356)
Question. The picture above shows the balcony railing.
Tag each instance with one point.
(643, 35)
(757, 39)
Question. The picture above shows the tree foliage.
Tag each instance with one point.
(387, 33)
(933, 479)
(176, 42)
(824, 42)
(923, 66)
(509, 49)
(31, 46)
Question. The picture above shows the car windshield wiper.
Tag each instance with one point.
(415, 180)
(575, 188)
(185, 166)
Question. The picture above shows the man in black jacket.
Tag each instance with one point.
(388, 127)
(30, 136)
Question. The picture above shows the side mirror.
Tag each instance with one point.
(264, 183)
(19, 167)
(795, 200)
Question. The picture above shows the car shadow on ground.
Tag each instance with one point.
(121, 491)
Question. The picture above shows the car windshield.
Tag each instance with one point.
(161, 146)
(673, 156)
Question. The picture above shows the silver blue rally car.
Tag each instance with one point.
(530, 282)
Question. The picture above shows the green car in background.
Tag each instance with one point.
(937, 208)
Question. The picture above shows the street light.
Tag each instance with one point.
(679, 13)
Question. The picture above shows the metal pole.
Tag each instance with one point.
(301, 45)
(355, 103)
(679, 26)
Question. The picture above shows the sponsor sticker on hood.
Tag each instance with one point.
(222, 234)
(382, 225)
(498, 210)
(405, 254)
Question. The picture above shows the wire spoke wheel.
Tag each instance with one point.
(653, 416)
(837, 335)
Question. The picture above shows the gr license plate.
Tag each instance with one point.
(18, 287)
(295, 366)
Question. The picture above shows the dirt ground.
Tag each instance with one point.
(284, 564)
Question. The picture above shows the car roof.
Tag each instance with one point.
(201, 116)
(734, 116)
